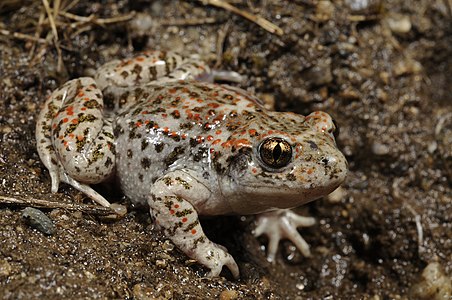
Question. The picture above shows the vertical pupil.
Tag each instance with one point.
(277, 152)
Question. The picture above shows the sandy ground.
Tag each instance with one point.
(382, 69)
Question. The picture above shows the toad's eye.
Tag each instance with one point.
(275, 152)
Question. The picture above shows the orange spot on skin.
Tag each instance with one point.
(242, 143)
(242, 132)
(173, 134)
(86, 98)
(184, 220)
(252, 132)
(199, 139)
(193, 231)
(164, 115)
(80, 137)
(74, 121)
(209, 138)
(176, 206)
(184, 136)
(254, 170)
(138, 124)
(70, 110)
(83, 108)
(212, 150)
(80, 94)
(65, 120)
(140, 58)
(228, 144)
(250, 105)
(166, 130)
(218, 132)
(310, 171)
(155, 127)
(216, 142)
(213, 105)
(171, 211)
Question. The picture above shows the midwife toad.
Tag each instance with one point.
(189, 148)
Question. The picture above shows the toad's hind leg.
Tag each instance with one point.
(75, 142)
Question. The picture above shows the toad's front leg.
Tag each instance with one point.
(171, 205)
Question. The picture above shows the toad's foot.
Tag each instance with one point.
(281, 224)
(172, 204)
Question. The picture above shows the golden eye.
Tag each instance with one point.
(275, 152)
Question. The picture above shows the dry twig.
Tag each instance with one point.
(265, 24)
(187, 22)
(93, 19)
(22, 36)
(38, 203)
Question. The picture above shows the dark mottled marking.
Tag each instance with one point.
(129, 153)
(186, 126)
(202, 152)
(173, 156)
(137, 111)
(248, 115)
(124, 74)
(70, 128)
(97, 154)
(191, 226)
(175, 114)
(108, 162)
(92, 104)
(144, 144)
(168, 181)
(112, 147)
(184, 183)
(193, 142)
(140, 177)
(199, 240)
(291, 177)
(86, 118)
(145, 163)
(153, 73)
(175, 137)
(231, 127)
(118, 130)
(159, 147)
(228, 96)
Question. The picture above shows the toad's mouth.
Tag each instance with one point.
(252, 199)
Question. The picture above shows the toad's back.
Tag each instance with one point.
(181, 125)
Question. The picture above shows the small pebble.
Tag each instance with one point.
(434, 284)
(38, 220)
(229, 295)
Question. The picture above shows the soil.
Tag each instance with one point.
(383, 69)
